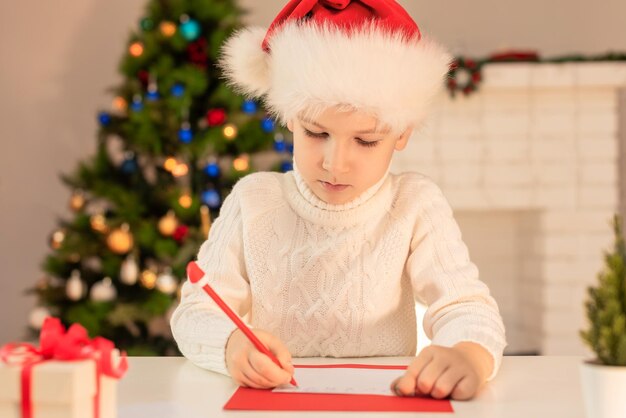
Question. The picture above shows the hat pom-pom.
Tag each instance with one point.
(244, 63)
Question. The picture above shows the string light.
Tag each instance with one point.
(167, 28)
(185, 200)
(180, 170)
(230, 131)
(170, 164)
(241, 163)
(136, 49)
(119, 103)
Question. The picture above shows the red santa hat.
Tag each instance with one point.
(366, 55)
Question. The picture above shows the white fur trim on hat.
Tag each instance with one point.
(312, 67)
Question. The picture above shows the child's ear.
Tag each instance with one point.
(290, 125)
(404, 138)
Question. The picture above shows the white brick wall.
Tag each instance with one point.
(540, 142)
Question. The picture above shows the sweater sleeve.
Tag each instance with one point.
(199, 326)
(460, 307)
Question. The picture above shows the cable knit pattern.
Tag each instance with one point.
(337, 280)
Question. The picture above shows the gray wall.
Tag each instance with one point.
(57, 59)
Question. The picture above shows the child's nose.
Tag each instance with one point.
(336, 157)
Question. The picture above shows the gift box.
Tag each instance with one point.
(68, 376)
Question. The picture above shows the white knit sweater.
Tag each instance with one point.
(337, 280)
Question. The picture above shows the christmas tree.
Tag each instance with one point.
(606, 306)
(170, 148)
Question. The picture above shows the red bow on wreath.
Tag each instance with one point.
(56, 344)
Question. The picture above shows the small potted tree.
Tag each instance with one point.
(604, 378)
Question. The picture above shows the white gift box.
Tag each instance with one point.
(59, 389)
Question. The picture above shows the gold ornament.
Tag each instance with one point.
(242, 163)
(57, 238)
(180, 170)
(170, 164)
(120, 103)
(229, 131)
(205, 218)
(77, 201)
(120, 240)
(136, 49)
(98, 223)
(167, 224)
(185, 200)
(167, 28)
(148, 279)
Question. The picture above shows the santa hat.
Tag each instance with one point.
(366, 55)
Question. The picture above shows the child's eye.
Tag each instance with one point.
(324, 135)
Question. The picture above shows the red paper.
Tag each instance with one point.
(266, 400)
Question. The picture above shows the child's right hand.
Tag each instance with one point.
(251, 368)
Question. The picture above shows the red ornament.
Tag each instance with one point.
(181, 233)
(144, 77)
(216, 117)
(197, 53)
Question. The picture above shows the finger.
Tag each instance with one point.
(282, 354)
(446, 382)
(257, 378)
(430, 373)
(405, 385)
(465, 389)
(265, 367)
(242, 380)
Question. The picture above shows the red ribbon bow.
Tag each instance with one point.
(56, 344)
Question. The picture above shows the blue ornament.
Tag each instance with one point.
(190, 29)
(137, 103)
(290, 147)
(212, 170)
(129, 165)
(178, 90)
(279, 146)
(286, 165)
(152, 95)
(211, 198)
(249, 106)
(267, 124)
(104, 118)
(185, 135)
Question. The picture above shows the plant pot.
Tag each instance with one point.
(604, 390)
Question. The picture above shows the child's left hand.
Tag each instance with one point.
(440, 372)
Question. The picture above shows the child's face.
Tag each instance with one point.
(332, 150)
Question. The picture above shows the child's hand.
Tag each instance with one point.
(440, 372)
(249, 367)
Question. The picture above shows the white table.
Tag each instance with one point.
(526, 387)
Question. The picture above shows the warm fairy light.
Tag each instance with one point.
(119, 103)
(98, 223)
(185, 201)
(148, 279)
(241, 163)
(170, 164)
(180, 170)
(167, 28)
(230, 131)
(136, 49)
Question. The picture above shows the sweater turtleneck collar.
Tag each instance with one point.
(375, 200)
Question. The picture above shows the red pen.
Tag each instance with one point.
(196, 276)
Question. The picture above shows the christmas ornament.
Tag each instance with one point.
(153, 91)
(189, 28)
(167, 224)
(215, 117)
(75, 287)
(184, 133)
(180, 170)
(178, 90)
(279, 145)
(103, 291)
(104, 118)
(120, 104)
(211, 198)
(129, 165)
(249, 106)
(170, 164)
(57, 238)
(120, 240)
(205, 219)
(136, 49)
(267, 125)
(77, 200)
(166, 282)
(180, 233)
(148, 278)
(242, 163)
(93, 264)
(168, 29)
(147, 24)
(286, 165)
(464, 75)
(129, 271)
(37, 316)
(230, 131)
(137, 105)
(197, 53)
(212, 169)
(98, 223)
(185, 200)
